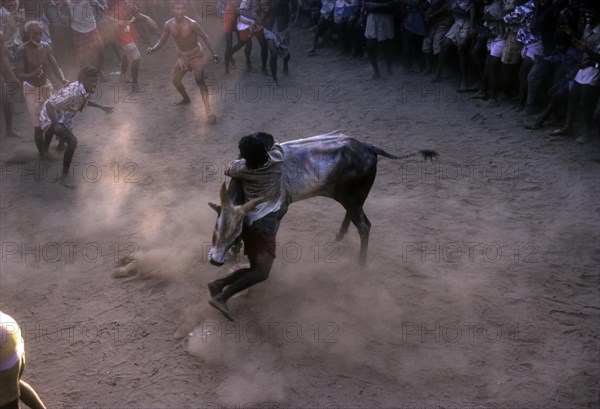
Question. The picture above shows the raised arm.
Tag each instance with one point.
(148, 21)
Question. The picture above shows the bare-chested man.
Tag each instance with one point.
(186, 31)
(33, 60)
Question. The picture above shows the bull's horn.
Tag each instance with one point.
(224, 196)
(251, 205)
(215, 207)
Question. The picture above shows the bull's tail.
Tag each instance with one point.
(426, 153)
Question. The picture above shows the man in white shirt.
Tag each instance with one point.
(56, 116)
(89, 48)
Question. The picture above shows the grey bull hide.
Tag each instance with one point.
(331, 165)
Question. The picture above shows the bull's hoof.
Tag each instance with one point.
(429, 154)
(221, 306)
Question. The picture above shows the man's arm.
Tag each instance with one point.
(198, 30)
(51, 111)
(235, 168)
(5, 66)
(54, 65)
(29, 396)
(148, 21)
(276, 153)
(162, 41)
(105, 108)
(594, 56)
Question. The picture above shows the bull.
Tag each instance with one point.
(331, 165)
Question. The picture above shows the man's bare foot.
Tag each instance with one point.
(311, 52)
(12, 134)
(60, 147)
(67, 183)
(561, 132)
(285, 68)
(184, 101)
(220, 305)
(214, 289)
(211, 119)
(375, 76)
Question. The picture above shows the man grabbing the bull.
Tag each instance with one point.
(259, 171)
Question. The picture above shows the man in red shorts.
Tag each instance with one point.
(126, 14)
(185, 32)
(259, 170)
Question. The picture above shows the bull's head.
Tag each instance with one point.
(230, 220)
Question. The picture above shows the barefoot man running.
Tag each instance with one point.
(186, 31)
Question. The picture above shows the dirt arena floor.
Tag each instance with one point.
(481, 289)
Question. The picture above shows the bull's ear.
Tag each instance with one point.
(215, 207)
(224, 195)
(251, 205)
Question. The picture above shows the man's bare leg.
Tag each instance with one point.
(260, 266)
(124, 67)
(442, 60)
(178, 75)
(199, 77)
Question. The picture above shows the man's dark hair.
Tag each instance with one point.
(177, 3)
(253, 151)
(266, 138)
(87, 73)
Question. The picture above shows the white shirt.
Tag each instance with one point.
(67, 102)
(83, 18)
(590, 75)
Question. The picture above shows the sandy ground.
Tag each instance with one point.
(482, 283)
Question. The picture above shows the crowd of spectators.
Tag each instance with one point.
(542, 54)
